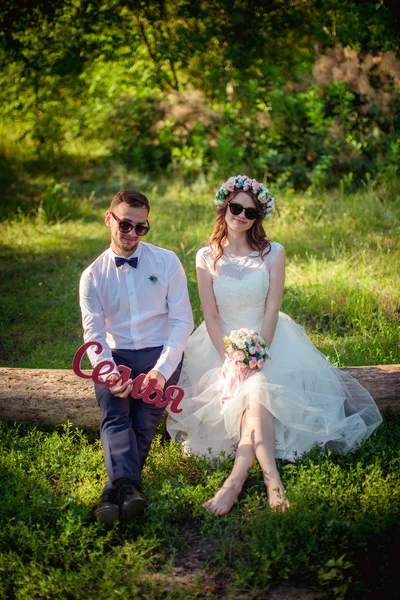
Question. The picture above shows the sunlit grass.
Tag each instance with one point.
(344, 510)
(343, 267)
(338, 538)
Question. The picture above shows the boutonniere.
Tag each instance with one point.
(153, 277)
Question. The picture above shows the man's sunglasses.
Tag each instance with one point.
(126, 226)
(249, 213)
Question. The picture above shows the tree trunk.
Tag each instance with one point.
(55, 396)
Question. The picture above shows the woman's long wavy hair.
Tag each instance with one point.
(256, 236)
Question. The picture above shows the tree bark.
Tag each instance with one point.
(55, 396)
(50, 396)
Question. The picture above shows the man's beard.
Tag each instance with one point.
(125, 245)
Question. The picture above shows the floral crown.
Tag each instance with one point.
(245, 184)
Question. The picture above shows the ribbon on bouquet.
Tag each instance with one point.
(233, 374)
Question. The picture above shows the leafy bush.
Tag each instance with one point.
(318, 138)
(59, 203)
(338, 538)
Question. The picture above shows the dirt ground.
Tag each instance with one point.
(189, 570)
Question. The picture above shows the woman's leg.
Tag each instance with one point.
(261, 426)
(223, 500)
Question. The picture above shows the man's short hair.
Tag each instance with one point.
(131, 197)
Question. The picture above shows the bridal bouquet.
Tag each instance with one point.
(246, 353)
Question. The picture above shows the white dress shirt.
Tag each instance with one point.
(123, 309)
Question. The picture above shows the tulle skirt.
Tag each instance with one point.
(311, 401)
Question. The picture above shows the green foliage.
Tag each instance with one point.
(338, 538)
(59, 203)
(122, 82)
(342, 265)
(339, 535)
(188, 89)
(336, 576)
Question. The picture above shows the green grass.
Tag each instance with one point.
(340, 533)
(338, 538)
(343, 268)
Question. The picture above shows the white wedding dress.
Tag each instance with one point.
(310, 400)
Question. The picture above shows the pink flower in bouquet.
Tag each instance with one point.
(253, 363)
(256, 185)
(230, 187)
(246, 351)
(246, 188)
(239, 356)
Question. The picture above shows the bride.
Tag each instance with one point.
(297, 399)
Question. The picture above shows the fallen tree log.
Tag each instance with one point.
(50, 396)
(55, 396)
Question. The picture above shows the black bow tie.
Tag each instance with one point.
(119, 261)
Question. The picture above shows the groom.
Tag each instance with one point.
(134, 301)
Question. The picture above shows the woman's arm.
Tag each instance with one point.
(274, 298)
(210, 311)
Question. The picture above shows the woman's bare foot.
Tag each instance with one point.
(276, 492)
(222, 502)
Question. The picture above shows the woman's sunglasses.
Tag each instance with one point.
(249, 213)
(126, 226)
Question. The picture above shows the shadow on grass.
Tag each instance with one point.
(40, 296)
(50, 546)
(342, 529)
(23, 183)
(39, 287)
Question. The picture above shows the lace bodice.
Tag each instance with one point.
(240, 286)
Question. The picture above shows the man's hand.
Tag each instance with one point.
(123, 390)
(153, 375)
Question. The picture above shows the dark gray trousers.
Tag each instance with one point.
(128, 425)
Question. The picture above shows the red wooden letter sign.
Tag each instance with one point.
(151, 395)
